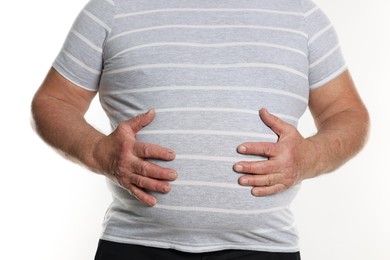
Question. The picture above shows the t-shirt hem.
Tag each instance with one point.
(64, 74)
(193, 248)
(329, 78)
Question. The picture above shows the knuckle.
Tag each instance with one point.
(269, 181)
(120, 166)
(144, 168)
(266, 150)
(122, 155)
(248, 167)
(147, 151)
(139, 182)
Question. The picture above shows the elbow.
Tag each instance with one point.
(33, 113)
(361, 133)
(38, 113)
(366, 125)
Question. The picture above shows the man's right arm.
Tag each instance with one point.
(58, 110)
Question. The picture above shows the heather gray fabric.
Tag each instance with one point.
(207, 67)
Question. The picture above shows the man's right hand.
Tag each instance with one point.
(123, 159)
(58, 109)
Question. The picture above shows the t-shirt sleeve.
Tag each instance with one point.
(81, 57)
(326, 60)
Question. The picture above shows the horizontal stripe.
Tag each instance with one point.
(206, 88)
(220, 210)
(167, 10)
(324, 57)
(218, 109)
(226, 26)
(312, 11)
(211, 45)
(210, 184)
(87, 41)
(81, 64)
(111, 2)
(97, 20)
(318, 34)
(209, 66)
(196, 157)
(205, 109)
(206, 132)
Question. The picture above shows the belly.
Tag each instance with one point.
(206, 194)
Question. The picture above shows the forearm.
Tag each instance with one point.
(337, 140)
(64, 128)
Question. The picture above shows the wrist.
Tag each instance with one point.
(312, 161)
(91, 152)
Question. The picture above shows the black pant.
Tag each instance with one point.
(116, 251)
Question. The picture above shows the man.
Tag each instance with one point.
(197, 170)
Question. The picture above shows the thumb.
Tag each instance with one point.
(142, 120)
(277, 125)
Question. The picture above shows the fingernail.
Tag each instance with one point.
(265, 111)
(238, 167)
(165, 189)
(171, 156)
(172, 175)
(150, 111)
(244, 181)
(152, 202)
(241, 149)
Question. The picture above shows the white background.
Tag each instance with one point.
(52, 209)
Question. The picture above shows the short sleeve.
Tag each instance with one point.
(326, 60)
(81, 57)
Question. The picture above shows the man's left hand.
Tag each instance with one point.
(285, 166)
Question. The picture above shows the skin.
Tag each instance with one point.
(59, 107)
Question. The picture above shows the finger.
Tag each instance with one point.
(152, 151)
(151, 170)
(149, 183)
(264, 149)
(277, 125)
(257, 168)
(268, 190)
(142, 120)
(142, 196)
(261, 180)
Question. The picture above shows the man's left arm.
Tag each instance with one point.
(342, 123)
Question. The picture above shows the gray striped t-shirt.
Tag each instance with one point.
(207, 67)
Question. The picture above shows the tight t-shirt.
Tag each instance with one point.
(207, 67)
